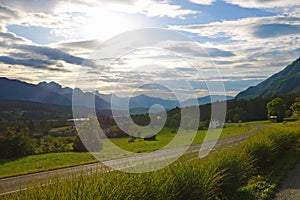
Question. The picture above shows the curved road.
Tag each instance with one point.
(23, 182)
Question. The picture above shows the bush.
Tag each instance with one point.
(132, 139)
(257, 188)
(262, 151)
(203, 125)
(50, 144)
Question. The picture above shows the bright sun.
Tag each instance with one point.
(104, 25)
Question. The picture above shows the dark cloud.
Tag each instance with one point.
(214, 52)
(36, 63)
(275, 30)
(52, 53)
(185, 69)
(55, 54)
(11, 36)
(7, 13)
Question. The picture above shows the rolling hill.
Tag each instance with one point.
(285, 82)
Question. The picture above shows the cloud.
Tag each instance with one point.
(264, 3)
(31, 5)
(256, 43)
(214, 52)
(75, 20)
(275, 30)
(36, 63)
(162, 8)
(51, 53)
(10, 15)
(87, 44)
(7, 38)
(243, 29)
(78, 48)
(53, 8)
(245, 50)
(202, 2)
(21, 52)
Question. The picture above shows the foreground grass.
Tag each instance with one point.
(242, 172)
(44, 162)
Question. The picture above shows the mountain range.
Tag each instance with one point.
(53, 93)
(49, 98)
(284, 82)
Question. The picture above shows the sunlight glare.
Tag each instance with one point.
(104, 25)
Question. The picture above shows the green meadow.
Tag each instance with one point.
(251, 170)
(44, 162)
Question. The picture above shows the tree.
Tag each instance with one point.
(89, 138)
(45, 127)
(31, 126)
(276, 107)
(15, 143)
(296, 106)
(78, 146)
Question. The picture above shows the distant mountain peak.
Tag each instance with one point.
(52, 85)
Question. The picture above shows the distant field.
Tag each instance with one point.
(265, 122)
(61, 128)
(44, 162)
(165, 136)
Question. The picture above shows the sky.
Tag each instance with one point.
(75, 43)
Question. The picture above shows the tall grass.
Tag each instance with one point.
(240, 172)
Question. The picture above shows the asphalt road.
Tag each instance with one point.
(23, 182)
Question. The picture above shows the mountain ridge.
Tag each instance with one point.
(286, 81)
(54, 93)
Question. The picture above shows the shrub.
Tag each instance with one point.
(257, 188)
(262, 151)
(50, 144)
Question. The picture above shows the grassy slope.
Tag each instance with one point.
(43, 162)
